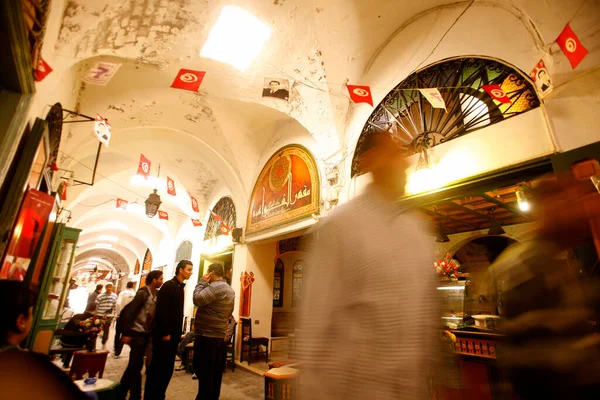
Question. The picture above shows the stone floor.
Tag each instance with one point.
(239, 385)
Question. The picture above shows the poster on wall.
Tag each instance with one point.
(30, 224)
(287, 189)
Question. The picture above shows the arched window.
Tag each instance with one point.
(184, 251)
(408, 116)
(224, 209)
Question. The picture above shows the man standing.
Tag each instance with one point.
(378, 264)
(214, 299)
(105, 306)
(136, 320)
(166, 332)
(92, 298)
(125, 297)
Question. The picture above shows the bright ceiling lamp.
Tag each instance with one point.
(104, 245)
(236, 38)
(94, 259)
(424, 178)
(108, 238)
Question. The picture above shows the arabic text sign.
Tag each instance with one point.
(287, 189)
(101, 72)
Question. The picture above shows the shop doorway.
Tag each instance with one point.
(224, 258)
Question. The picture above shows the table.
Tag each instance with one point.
(104, 388)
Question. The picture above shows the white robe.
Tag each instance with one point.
(370, 313)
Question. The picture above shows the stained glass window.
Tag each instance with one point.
(408, 116)
(224, 209)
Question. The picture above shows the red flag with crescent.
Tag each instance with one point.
(194, 203)
(497, 93)
(188, 79)
(360, 94)
(122, 204)
(196, 222)
(144, 167)
(171, 187)
(163, 215)
(224, 229)
(570, 45)
(215, 216)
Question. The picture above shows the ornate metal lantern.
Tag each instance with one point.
(152, 204)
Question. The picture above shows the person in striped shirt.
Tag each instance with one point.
(105, 305)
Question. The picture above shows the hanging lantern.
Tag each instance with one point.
(152, 204)
(522, 199)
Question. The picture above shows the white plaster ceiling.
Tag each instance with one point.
(215, 138)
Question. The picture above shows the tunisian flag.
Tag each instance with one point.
(194, 203)
(188, 79)
(360, 94)
(163, 215)
(144, 167)
(570, 45)
(122, 204)
(196, 222)
(171, 187)
(224, 229)
(497, 93)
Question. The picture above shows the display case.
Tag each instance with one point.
(54, 287)
(452, 303)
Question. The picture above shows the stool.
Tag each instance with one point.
(280, 383)
(90, 363)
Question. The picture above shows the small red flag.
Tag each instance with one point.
(144, 167)
(497, 93)
(171, 187)
(62, 191)
(122, 204)
(196, 222)
(360, 94)
(188, 79)
(42, 70)
(570, 45)
(53, 167)
(224, 229)
(215, 216)
(194, 203)
(163, 215)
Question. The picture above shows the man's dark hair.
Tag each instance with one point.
(217, 269)
(130, 285)
(99, 287)
(15, 299)
(181, 266)
(277, 82)
(152, 276)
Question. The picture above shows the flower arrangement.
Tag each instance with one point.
(447, 268)
(92, 325)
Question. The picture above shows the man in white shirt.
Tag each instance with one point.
(125, 297)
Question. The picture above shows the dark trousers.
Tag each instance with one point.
(161, 368)
(118, 333)
(106, 331)
(208, 366)
(132, 377)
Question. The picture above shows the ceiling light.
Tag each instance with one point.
(152, 204)
(442, 237)
(236, 38)
(104, 245)
(496, 229)
(522, 199)
(95, 259)
(108, 238)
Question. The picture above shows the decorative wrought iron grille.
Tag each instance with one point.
(184, 251)
(408, 116)
(224, 209)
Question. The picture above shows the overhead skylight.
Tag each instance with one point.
(236, 38)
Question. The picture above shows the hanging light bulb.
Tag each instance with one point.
(496, 227)
(423, 179)
(522, 200)
(71, 179)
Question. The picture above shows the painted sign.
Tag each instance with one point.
(287, 189)
(101, 72)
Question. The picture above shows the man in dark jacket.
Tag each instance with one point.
(136, 320)
(166, 332)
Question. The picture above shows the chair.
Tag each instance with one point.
(230, 351)
(91, 363)
(249, 342)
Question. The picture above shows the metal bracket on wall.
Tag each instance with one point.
(86, 118)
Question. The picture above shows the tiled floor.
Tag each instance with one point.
(238, 385)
